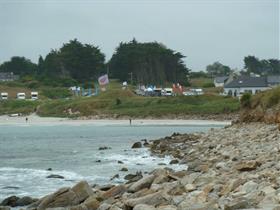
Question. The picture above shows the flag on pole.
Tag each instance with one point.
(103, 80)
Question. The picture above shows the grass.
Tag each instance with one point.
(117, 102)
(266, 99)
(18, 106)
(200, 82)
(136, 106)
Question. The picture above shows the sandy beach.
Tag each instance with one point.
(36, 120)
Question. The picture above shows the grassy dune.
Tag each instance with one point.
(116, 102)
(266, 99)
(125, 103)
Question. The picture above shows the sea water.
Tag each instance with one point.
(26, 152)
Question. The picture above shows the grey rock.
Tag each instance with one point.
(55, 176)
(154, 199)
(144, 207)
(137, 145)
(145, 182)
(10, 201)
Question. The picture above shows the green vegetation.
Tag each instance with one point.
(75, 62)
(148, 63)
(115, 102)
(200, 82)
(265, 67)
(56, 93)
(266, 99)
(119, 103)
(19, 66)
(246, 100)
(18, 106)
(218, 69)
(81, 62)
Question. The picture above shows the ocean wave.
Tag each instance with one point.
(33, 182)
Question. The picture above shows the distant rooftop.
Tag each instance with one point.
(274, 79)
(221, 79)
(246, 81)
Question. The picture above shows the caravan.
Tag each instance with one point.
(167, 92)
(34, 95)
(4, 96)
(21, 96)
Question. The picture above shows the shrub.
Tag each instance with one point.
(56, 93)
(118, 101)
(246, 100)
(274, 98)
(208, 85)
(33, 84)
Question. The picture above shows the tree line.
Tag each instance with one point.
(141, 63)
(252, 64)
(146, 63)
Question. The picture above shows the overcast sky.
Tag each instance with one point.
(203, 30)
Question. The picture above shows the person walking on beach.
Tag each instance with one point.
(129, 121)
(26, 119)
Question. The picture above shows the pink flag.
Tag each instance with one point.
(103, 80)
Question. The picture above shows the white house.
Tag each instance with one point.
(220, 81)
(246, 84)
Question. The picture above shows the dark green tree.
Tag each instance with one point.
(40, 64)
(19, 65)
(81, 62)
(274, 66)
(253, 64)
(148, 63)
(218, 69)
(263, 67)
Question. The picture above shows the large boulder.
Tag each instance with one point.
(10, 201)
(137, 145)
(239, 203)
(82, 190)
(247, 165)
(142, 183)
(65, 197)
(91, 203)
(144, 207)
(153, 199)
(4, 208)
(133, 177)
(25, 201)
(114, 191)
(105, 206)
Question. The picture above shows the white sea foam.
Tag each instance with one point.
(33, 182)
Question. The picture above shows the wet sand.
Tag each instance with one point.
(36, 120)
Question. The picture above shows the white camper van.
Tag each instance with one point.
(4, 96)
(167, 92)
(20, 95)
(34, 95)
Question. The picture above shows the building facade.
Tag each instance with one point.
(246, 84)
(8, 76)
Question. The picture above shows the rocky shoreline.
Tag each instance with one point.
(232, 168)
